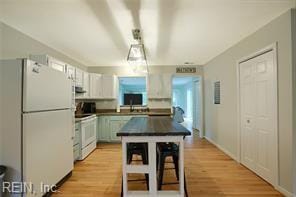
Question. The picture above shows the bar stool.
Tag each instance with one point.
(138, 149)
(165, 150)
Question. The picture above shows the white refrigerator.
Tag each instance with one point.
(35, 125)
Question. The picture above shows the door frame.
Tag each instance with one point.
(273, 47)
(200, 78)
(200, 93)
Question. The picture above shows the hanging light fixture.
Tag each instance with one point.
(136, 55)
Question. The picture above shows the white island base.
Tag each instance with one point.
(151, 167)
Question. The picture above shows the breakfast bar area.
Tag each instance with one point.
(156, 135)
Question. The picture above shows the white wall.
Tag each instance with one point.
(221, 120)
(294, 93)
(15, 44)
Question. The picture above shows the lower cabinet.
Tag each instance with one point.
(109, 126)
(103, 129)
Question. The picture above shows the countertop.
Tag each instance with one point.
(130, 113)
(78, 117)
(153, 126)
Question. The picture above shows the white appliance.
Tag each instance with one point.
(88, 135)
(36, 124)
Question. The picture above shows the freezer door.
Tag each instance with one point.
(44, 88)
(47, 148)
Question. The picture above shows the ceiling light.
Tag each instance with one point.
(136, 55)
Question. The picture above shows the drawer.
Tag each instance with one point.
(88, 149)
(76, 152)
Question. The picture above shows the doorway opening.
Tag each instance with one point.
(187, 100)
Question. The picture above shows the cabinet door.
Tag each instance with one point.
(86, 84)
(166, 85)
(79, 77)
(95, 85)
(57, 65)
(154, 85)
(71, 72)
(109, 86)
(105, 129)
(115, 126)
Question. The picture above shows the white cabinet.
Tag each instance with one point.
(103, 86)
(49, 61)
(109, 87)
(71, 72)
(86, 84)
(160, 86)
(95, 85)
(79, 77)
(166, 85)
(57, 65)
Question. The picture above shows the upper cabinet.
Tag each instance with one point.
(86, 85)
(109, 86)
(71, 72)
(78, 78)
(159, 86)
(95, 85)
(49, 61)
(56, 64)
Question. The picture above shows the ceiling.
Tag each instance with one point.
(98, 32)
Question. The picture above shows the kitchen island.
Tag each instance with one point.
(152, 130)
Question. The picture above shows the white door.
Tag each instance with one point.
(45, 88)
(47, 147)
(258, 106)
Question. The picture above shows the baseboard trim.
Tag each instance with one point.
(278, 188)
(221, 148)
(284, 191)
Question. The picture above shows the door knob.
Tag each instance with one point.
(248, 121)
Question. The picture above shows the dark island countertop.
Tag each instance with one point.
(153, 126)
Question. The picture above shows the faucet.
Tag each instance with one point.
(131, 106)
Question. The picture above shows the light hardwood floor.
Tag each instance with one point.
(209, 172)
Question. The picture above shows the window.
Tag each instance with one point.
(133, 89)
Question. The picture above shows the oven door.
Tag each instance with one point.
(88, 131)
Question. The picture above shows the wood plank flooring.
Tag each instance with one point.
(209, 172)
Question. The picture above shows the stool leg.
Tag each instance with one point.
(145, 161)
(129, 157)
(185, 186)
(121, 194)
(176, 163)
(161, 170)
